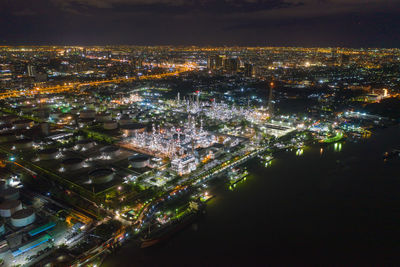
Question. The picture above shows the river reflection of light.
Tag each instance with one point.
(299, 152)
(337, 147)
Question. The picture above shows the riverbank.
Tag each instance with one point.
(325, 206)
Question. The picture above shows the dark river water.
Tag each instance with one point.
(336, 206)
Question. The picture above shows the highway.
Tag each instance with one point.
(76, 85)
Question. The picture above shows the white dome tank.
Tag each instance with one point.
(7, 208)
(23, 217)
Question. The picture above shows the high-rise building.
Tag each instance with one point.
(232, 64)
(31, 71)
(270, 106)
(344, 60)
(249, 70)
(215, 62)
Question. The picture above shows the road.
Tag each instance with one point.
(76, 85)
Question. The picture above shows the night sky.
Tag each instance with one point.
(348, 23)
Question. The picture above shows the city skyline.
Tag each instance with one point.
(108, 150)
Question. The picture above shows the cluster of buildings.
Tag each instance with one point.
(101, 129)
(230, 64)
(28, 225)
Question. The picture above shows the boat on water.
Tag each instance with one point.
(332, 139)
(391, 154)
(205, 197)
(267, 160)
(164, 232)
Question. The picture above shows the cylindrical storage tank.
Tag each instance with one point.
(23, 143)
(7, 137)
(65, 118)
(3, 184)
(102, 117)
(10, 118)
(110, 151)
(4, 250)
(85, 144)
(74, 111)
(42, 112)
(5, 127)
(81, 137)
(45, 128)
(48, 153)
(2, 228)
(56, 115)
(87, 114)
(27, 108)
(110, 125)
(7, 208)
(85, 122)
(101, 176)
(139, 161)
(23, 124)
(23, 217)
(124, 120)
(10, 193)
(132, 129)
(72, 164)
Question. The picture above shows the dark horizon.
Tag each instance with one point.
(187, 45)
(266, 23)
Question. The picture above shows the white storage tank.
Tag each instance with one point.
(73, 111)
(110, 125)
(132, 128)
(102, 117)
(5, 127)
(42, 112)
(87, 114)
(66, 118)
(2, 228)
(3, 184)
(23, 124)
(23, 143)
(139, 161)
(45, 128)
(125, 111)
(56, 115)
(109, 151)
(84, 144)
(48, 153)
(23, 217)
(72, 164)
(4, 249)
(81, 137)
(9, 118)
(101, 176)
(125, 120)
(7, 137)
(8, 207)
(10, 193)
